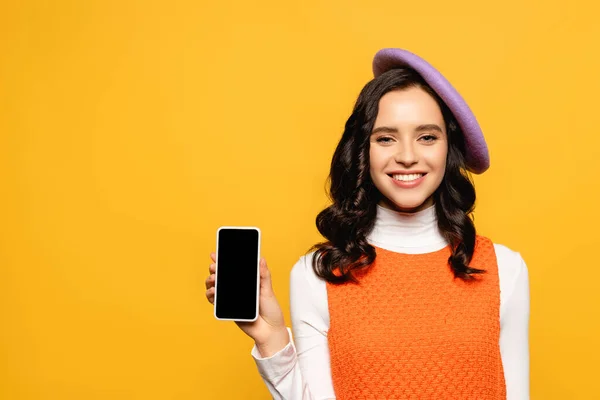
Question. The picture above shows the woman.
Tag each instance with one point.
(403, 299)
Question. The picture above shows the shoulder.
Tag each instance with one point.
(303, 273)
(510, 262)
(512, 270)
(513, 279)
(514, 284)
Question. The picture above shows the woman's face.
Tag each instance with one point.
(408, 149)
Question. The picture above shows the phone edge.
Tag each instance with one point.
(256, 312)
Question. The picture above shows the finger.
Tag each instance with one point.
(210, 295)
(213, 256)
(210, 281)
(212, 268)
(266, 285)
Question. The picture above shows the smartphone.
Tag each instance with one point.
(237, 277)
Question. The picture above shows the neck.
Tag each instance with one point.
(407, 232)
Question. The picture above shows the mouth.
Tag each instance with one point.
(407, 177)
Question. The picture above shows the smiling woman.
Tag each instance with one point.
(411, 140)
(403, 299)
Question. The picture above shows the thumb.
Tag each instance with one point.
(266, 287)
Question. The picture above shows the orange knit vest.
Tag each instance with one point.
(409, 330)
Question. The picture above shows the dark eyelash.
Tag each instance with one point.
(380, 139)
(433, 137)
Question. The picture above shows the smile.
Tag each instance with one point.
(408, 181)
(407, 178)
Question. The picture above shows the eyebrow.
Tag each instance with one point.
(420, 128)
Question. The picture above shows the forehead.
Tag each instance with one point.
(408, 107)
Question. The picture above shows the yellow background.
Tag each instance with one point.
(131, 130)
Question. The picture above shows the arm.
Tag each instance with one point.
(301, 370)
(514, 327)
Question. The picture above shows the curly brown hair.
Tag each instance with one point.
(346, 223)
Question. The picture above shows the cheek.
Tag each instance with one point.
(372, 167)
(377, 158)
(377, 162)
(437, 159)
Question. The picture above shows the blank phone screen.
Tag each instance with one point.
(237, 263)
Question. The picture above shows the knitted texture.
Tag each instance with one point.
(410, 330)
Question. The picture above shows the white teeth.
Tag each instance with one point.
(406, 178)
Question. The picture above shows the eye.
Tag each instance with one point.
(384, 139)
(429, 138)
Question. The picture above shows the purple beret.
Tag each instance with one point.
(477, 155)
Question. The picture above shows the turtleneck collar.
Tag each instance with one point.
(402, 232)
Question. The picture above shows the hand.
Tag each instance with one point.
(268, 331)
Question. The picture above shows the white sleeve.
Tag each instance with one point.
(514, 322)
(301, 370)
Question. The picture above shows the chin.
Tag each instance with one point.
(410, 208)
(409, 205)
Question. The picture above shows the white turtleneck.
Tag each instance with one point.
(301, 370)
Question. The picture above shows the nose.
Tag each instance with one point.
(406, 154)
